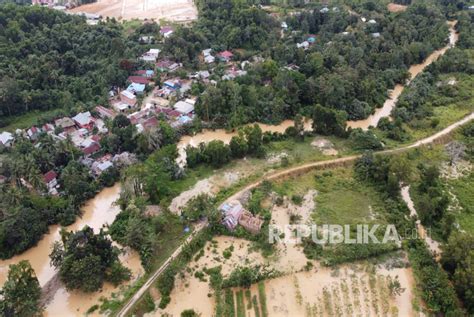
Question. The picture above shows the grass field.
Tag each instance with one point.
(463, 189)
(26, 120)
(341, 199)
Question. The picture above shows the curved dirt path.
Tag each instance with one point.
(438, 137)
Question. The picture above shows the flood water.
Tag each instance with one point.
(101, 210)
(96, 212)
(397, 91)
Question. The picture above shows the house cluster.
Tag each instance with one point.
(84, 130)
(173, 87)
(310, 40)
(234, 214)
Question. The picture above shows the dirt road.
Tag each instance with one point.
(435, 138)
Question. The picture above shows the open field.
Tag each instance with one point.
(172, 10)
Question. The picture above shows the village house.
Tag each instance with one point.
(165, 92)
(148, 73)
(150, 123)
(304, 45)
(121, 107)
(138, 80)
(203, 74)
(105, 112)
(137, 89)
(167, 66)
(208, 58)
(138, 116)
(51, 181)
(78, 136)
(233, 73)
(173, 83)
(185, 107)
(128, 97)
(151, 56)
(234, 214)
(225, 56)
(48, 127)
(166, 31)
(98, 167)
(250, 223)
(84, 120)
(33, 133)
(146, 39)
(66, 123)
(91, 149)
(6, 139)
(311, 38)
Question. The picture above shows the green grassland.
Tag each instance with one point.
(341, 198)
(463, 189)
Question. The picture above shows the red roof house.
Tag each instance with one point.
(138, 80)
(50, 177)
(225, 56)
(91, 149)
(150, 123)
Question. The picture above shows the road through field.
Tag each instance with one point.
(437, 137)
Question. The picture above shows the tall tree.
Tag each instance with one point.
(21, 292)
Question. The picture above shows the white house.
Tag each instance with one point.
(303, 45)
(209, 59)
(6, 139)
(151, 55)
(184, 107)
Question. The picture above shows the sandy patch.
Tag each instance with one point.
(393, 7)
(173, 10)
(433, 245)
(289, 257)
(209, 186)
(459, 169)
(276, 158)
(325, 146)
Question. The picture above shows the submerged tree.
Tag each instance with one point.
(21, 292)
(85, 260)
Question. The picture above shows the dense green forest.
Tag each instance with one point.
(349, 71)
(52, 60)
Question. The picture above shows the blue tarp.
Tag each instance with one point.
(138, 88)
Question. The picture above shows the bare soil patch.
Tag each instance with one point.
(393, 7)
(173, 10)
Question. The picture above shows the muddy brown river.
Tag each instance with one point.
(101, 210)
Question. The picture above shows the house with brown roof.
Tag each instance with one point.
(234, 214)
(105, 112)
(138, 80)
(250, 222)
(66, 123)
(94, 147)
